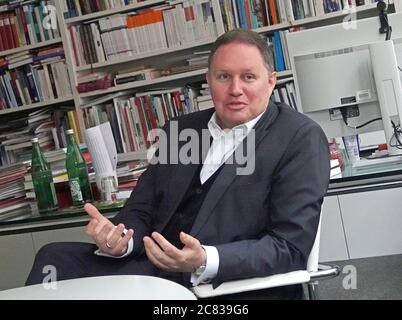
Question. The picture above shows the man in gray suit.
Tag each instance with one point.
(225, 215)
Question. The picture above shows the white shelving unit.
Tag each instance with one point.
(30, 47)
(144, 56)
(321, 18)
(105, 13)
(36, 105)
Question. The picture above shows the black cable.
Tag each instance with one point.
(397, 132)
(399, 68)
(385, 27)
(344, 116)
(368, 122)
(389, 32)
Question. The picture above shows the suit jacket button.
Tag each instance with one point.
(198, 191)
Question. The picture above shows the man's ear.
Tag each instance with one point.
(271, 82)
(208, 75)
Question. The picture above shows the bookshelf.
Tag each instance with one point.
(83, 100)
(159, 56)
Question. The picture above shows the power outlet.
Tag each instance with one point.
(350, 112)
(335, 114)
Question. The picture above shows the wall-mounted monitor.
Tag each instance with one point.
(335, 78)
(365, 76)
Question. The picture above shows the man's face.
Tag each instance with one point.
(240, 83)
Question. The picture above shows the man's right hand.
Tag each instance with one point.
(108, 237)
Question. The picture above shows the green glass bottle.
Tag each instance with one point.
(42, 180)
(80, 187)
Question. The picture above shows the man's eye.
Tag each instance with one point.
(249, 77)
(223, 76)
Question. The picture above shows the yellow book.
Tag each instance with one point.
(73, 125)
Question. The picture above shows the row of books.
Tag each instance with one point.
(13, 203)
(74, 8)
(104, 80)
(27, 78)
(286, 93)
(253, 14)
(27, 24)
(126, 35)
(48, 124)
(277, 42)
(133, 117)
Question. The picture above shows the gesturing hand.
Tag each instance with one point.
(167, 257)
(108, 237)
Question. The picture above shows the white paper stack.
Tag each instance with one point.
(102, 148)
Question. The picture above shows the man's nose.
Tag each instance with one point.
(235, 87)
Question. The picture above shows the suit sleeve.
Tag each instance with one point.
(299, 184)
(139, 212)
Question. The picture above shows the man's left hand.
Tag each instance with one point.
(167, 257)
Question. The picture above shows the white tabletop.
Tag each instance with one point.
(103, 288)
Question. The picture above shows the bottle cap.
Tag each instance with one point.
(34, 140)
(70, 131)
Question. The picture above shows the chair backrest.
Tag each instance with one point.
(312, 262)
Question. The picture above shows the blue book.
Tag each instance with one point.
(9, 88)
(279, 52)
(242, 14)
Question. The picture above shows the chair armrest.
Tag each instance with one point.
(236, 286)
(325, 272)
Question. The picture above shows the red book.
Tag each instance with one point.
(177, 102)
(2, 48)
(8, 31)
(151, 114)
(137, 102)
(128, 127)
(13, 24)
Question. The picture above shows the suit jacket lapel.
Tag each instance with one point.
(229, 171)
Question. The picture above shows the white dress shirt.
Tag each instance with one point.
(224, 143)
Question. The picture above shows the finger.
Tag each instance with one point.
(189, 241)
(102, 223)
(101, 235)
(90, 228)
(166, 246)
(115, 235)
(158, 254)
(122, 245)
(93, 212)
(154, 260)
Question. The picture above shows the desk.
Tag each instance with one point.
(104, 288)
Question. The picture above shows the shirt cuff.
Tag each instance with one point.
(211, 269)
(130, 246)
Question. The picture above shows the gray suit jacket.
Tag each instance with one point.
(262, 223)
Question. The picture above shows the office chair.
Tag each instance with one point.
(309, 277)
